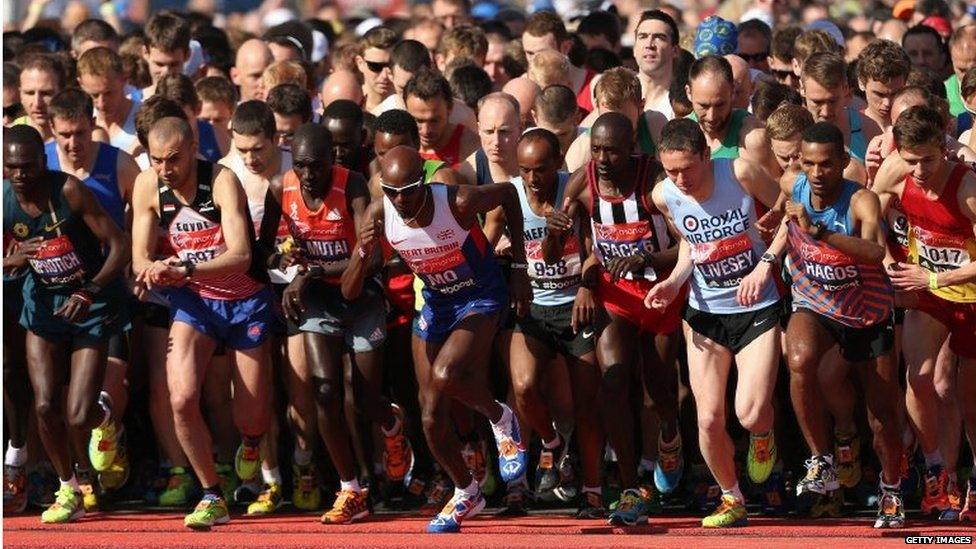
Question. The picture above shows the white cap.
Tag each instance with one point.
(278, 16)
(196, 60)
(320, 46)
(367, 25)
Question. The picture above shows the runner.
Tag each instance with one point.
(324, 205)
(101, 76)
(555, 109)
(72, 302)
(344, 120)
(882, 69)
(41, 76)
(373, 62)
(215, 286)
(633, 250)
(252, 58)
(840, 297)
(167, 48)
(733, 306)
(464, 296)
(656, 45)
(545, 30)
(429, 100)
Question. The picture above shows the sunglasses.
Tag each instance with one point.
(377, 66)
(751, 57)
(405, 190)
(782, 74)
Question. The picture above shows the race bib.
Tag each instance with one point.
(624, 240)
(57, 263)
(200, 245)
(939, 252)
(563, 274)
(828, 268)
(446, 274)
(724, 263)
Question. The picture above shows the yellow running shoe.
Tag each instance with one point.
(349, 506)
(67, 507)
(211, 510)
(178, 488)
(268, 500)
(116, 476)
(247, 462)
(847, 459)
(102, 446)
(730, 513)
(306, 494)
(762, 457)
(86, 482)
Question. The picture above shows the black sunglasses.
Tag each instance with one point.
(750, 57)
(377, 66)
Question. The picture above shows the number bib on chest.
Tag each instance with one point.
(446, 274)
(829, 268)
(725, 262)
(938, 252)
(563, 274)
(623, 240)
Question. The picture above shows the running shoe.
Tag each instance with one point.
(348, 507)
(670, 465)
(397, 453)
(305, 487)
(547, 472)
(568, 489)
(968, 513)
(459, 508)
(630, 510)
(730, 513)
(514, 500)
(762, 457)
(247, 461)
(591, 506)
(820, 480)
(14, 489)
(847, 459)
(936, 498)
(228, 481)
(68, 506)
(648, 490)
(513, 459)
(830, 505)
(248, 491)
(211, 510)
(102, 446)
(86, 481)
(42, 485)
(954, 509)
(891, 509)
(267, 501)
(774, 502)
(117, 475)
(178, 488)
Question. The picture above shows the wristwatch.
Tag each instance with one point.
(189, 266)
(768, 257)
(91, 288)
(821, 230)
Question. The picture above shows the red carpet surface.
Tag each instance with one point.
(290, 531)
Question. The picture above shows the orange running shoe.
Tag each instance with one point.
(349, 507)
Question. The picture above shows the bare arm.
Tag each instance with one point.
(366, 253)
(145, 221)
(967, 203)
(466, 171)
(757, 182)
(561, 219)
(83, 202)
(471, 201)
(229, 196)
(869, 247)
(755, 145)
(494, 226)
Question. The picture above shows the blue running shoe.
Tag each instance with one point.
(670, 465)
(630, 510)
(459, 508)
(513, 460)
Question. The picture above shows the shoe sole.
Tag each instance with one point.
(358, 516)
(886, 524)
(737, 524)
(206, 527)
(615, 521)
(471, 514)
(80, 513)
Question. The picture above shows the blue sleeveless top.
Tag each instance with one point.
(103, 179)
(859, 146)
(208, 145)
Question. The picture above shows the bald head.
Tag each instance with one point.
(341, 85)
(741, 81)
(400, 166)
(24, 138)
(499, 102)
(253, 58)
(614, 127)
(894, 30)
(524, 91)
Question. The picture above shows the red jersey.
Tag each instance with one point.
(450, 154)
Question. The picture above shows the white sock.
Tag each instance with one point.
(105, 401)
(647, 465)
(506, 418)
(395, 430)
(271, 476)
(15, 457)
(552, 444)
(471, 490)
(736, 493)
(302, 457)
(72, 482)
(352, 485)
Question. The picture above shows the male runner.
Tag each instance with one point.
(72, 302)
(252, 58)
(215, 285)
(101, 76)
(545, 30)
(167, 48)
(373, 62)
(324, 205)
(434, 229)
(882, 69)
(344, 120)
(41, 76)
(655, 47)
(429, 100)
(499, 128)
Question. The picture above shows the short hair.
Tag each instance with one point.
(658, 15)
(101, 62)
(757, 26)
(825, 133)
(179, 88)
(171, 126)
(788, 120)
(921, 92)
(11, 75)
(216, 48)
(918, 126)
(470, 84)
(932, 7)
(377, 37)
(343, 109)
(617, 87)
(556, 103)
(601, 59)
(713, 64)
(494, 26)
(71, 104)
(45, 62)
(167, 32)
(252, 118)
(284, 72)
(464, 41)
(811, 42)
(601, 22)
(344, 58)
(410, 56)
(883, 61)
(962, 33)
(827, 69)
(292, 34)
(317, 136)
(683, 134)
(546, 136)
(499, 96)
(542, 23)
(968, 84)
(769, 95)
(217, 89)
(784, 41)
(426, 84)
(290, 100)
(455, 64)
(397, 122)
(93, 30)
(153, 109)
(548, 67)
(919, 30)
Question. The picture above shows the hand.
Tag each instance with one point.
(908, 277)
(873, 159)
(167, 272)
(291, 258)
(584, 309)
(768, 224)
(75, 309)
(21, 252)
(504, 247)
(521, 291)
(291, 298)
(369, 235)
(752, 284)
(618, 267)
(560, 221)
(796, 212)
(662, 294)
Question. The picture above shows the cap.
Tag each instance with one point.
(716, 36)
(903, 9)
(940, 24)
(830, 28)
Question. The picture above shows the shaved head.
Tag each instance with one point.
(165, 130)
(252, 59)
(615, 126)
(254, 51)
(524, 91)
(400, 166)
(341, 85)
(22, 137)
(314, 139)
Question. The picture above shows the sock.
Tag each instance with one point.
(271, 476)
(593, 489)
(395, 429)
(933, 459)
(105, 401)
(736, 493)
(251, 442)
(15, 457)
(647, 465)
(896, 487)
(351, 486)
(302, 457)
(552, 444)
(470, 491)
(506, 419)
(72, 482)
(767, 434)
(213, 491)
(829, 458)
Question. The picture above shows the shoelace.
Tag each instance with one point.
(813, 469)
(627, 501)
(546, 460)
(726, 505)
(341, 500)
(208, 503)
(267, 495)
(396, 451)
